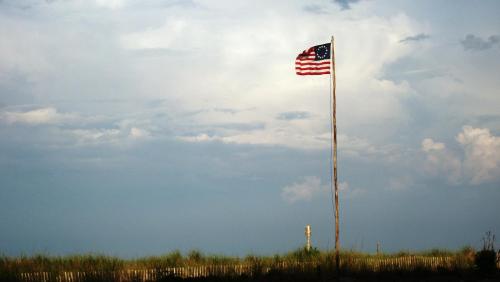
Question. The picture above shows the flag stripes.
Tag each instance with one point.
(314, 61)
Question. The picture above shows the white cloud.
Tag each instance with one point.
(124, 133)
(346, 191)
(75, 129)
(236, 68)
(23, 50)
(441, 162)
(86, 137)
(479, 162)
(243, 65)
(303, 190)
(311, 186)
(344, 186)
(112, 4)
(429, 145)
(482, 154)
(203, 137)
(161, 38)
(246, 64)
(37, 117)
(138, 133)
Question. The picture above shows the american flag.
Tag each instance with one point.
(314, 61)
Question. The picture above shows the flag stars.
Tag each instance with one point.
(322, 52)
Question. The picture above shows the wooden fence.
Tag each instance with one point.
(374, 264)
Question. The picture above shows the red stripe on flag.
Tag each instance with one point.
(304, 58)
(314, 63)
(313, 68)
(313, 73)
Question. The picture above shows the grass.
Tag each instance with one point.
(301, 264)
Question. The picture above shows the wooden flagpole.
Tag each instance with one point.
(334, 137)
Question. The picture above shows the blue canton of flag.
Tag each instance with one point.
(322, 52)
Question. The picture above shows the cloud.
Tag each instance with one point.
(412, 70)
(70, 129)
(418, 37)
(348, 192)
(24, 4)
(482, 154)
(441, 162)
(138, 133)
(181, 38)
(95, 136)
(362, 148)
(293, 115)
(203, 137)
(154, 52)
(345, 4)
(303, 190)
(478, 163)
(163, 38)
(123, 135)
(429, 145)
(248, 126)
(112, 4)
(227, 110)
(315, 9)
(219, 62)
(39, 116)
(237, 133)
(344, 186)
(475, 43)
(311, 186)
(299, 136)
(401, 183)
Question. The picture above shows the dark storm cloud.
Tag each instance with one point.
(476, 43)
(345, 4)
(418, 37)
(293, 115)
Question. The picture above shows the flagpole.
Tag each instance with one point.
(334, 138)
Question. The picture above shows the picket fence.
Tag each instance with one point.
(355, 264)
(139, 274)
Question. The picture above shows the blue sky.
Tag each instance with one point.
(135, 128)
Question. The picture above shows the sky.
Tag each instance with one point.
(135, 128)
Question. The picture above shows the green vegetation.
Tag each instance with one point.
(313, 264)
(486, 259)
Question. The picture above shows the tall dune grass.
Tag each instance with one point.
(313, 263)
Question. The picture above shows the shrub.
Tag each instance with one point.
(303, 254)
(195, 257)
(486, 259)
